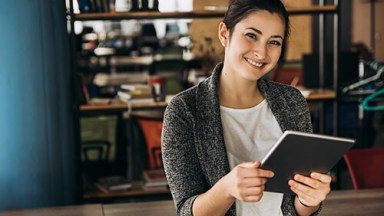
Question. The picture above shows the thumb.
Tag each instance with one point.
(255, 164)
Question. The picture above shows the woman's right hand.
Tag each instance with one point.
(246, 181)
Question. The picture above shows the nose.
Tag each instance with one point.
(260, 51)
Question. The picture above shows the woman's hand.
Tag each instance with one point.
(311, 191)
(246, 181)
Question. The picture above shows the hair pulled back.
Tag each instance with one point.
(240, 9)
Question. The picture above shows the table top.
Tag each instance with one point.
(321, 94)
(90, 107)
(129, 193)
(355, 202)
(315, 95)
(339, 203)
(78, 210)
(165, 208)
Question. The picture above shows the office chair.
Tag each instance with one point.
(151, 129)
(151, 125)
(366, 167)
(95, 158)
(289, 76)
(90, 147)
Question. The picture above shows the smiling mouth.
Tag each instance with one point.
(256, 64)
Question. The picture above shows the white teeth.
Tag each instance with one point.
(254, 63)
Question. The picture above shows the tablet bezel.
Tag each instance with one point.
(302, 153)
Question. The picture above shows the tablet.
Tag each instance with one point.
(302, 153)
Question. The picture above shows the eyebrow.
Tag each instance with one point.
(261, 33)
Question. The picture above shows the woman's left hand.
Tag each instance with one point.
(311, 191)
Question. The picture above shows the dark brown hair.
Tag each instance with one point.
(240, 9)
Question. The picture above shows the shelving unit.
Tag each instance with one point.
(320, 10)
(190, 15)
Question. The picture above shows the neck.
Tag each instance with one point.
(236, 92)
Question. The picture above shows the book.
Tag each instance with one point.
(114, 183)
(132, 99)
(136, 93)
(154, 178)
(137, 88)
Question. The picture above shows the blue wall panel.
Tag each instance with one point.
(37, 156)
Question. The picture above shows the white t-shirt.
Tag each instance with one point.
(249, 134)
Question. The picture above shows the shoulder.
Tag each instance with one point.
(182, 105)
(196, 96)
(278, 91)
(183, 99)
(277, 88)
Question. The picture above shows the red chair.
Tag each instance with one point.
(151, 125)
(366, 167)
(152, 133)
(289, 76)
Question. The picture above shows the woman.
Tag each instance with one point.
(216, 133)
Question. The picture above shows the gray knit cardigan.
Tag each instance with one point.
(193, 148)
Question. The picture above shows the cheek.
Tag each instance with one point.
(274, 54)
(238, 45)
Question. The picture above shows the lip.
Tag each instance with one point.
(255, 64)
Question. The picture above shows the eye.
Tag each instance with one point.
(276, 43)
(251, 35)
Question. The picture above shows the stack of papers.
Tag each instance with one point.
(135, 93)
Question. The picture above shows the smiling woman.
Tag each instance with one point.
(216, 133)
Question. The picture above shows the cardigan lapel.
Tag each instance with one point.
(209, 130)
(286, 109)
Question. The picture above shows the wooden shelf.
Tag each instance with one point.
(313, 10)
(190, 15)
(128, 193)
(316, 94)
(119, 106)
(148, 15)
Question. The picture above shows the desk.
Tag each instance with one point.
(130, 195)
(157, 208)
(80, 210)
(316, 95)
(355, 202)
(339, 203)
(119, 106)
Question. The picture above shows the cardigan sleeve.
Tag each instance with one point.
(180, 160)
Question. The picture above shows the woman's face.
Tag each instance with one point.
(255, 44)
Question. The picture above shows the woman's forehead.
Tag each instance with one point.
(264, 21)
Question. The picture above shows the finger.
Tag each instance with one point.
(257, 164)
(322, 177)
(254, 194)
(312, 196)
(254, 198)
(304, 197)
(265, 173)
(252, 171)
(297, 187)
(248, 165)
(254, 182)
(313, 183)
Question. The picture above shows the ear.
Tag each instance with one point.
(223, 34)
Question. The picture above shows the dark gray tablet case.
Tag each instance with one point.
(302, 153)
